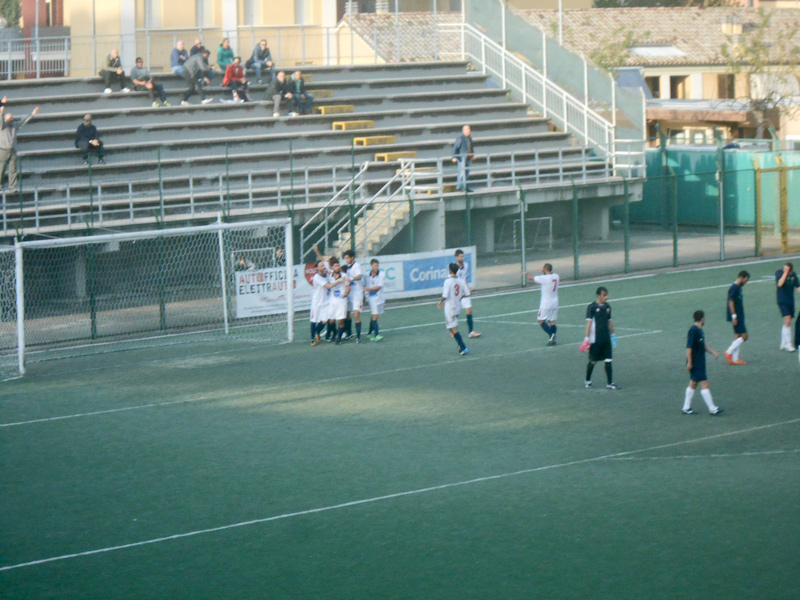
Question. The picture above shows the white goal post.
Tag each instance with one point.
(99, 293)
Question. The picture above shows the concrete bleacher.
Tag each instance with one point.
(180, 158)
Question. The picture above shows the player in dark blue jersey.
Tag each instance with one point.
(696, 349)
(600, 337)
(735, 314)
(787, 282)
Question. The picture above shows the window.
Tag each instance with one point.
(726, 86)
(678, 85)
(654, 83)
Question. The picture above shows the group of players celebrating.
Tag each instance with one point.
(338, 298)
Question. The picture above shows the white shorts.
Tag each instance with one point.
(548, 314)
(466, 302)
(374, 307)
(337, 308)
(319, 313)
(355, 300)
(451, 317)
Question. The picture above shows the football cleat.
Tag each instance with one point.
(587, 384)
(464, 351)
(474, 334)
(552, 340)
(739, 362)
(729, 357)
(358, 340)
(613, 386)
(315, 341)
(377, 338)
(716, 411)
(687, 411)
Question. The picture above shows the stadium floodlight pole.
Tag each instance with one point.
(721, 176)
(20, 290)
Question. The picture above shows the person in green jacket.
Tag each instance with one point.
(224, 55)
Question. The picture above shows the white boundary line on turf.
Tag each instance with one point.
(272, 388)
(424, 490)
(688, 456)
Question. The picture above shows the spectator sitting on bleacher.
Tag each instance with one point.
(224, 55)
(142, 81)
(8, 143)
(277, 91)
(302, 99)
(235, 79)
(113, 73)
(195, 73)
(88, 140)
(197, 47)
(260, 60)
(178, 57)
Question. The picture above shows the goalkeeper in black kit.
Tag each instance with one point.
(600, 338)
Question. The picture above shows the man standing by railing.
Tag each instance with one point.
(463, 151)
(8, 143)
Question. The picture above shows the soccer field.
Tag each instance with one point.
(399, 469)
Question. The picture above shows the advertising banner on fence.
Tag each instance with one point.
(263, 291)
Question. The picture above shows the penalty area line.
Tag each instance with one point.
(424, 490)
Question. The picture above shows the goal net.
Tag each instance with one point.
(102, 293)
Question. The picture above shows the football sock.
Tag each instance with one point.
(340, 333)
(735, 354)
(313, 331)
(706, 394)
(589, 369)
(786, 336)
(358, 329)
(554, 328)
(371, 327)
(459, 341)
(735, 345)
(469, 322)
(687, 401)
(348, 326)
(546, 328)
(377, 329)
(609, 377)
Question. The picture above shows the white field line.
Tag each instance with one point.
(414, 492)
(695, 456)
(296, 384)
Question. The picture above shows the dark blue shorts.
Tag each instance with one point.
(698, 374)
(740, 327)
(787, 310)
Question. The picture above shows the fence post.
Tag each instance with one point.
(575, 231)
(20, 293)
(721, 175)
(674, 207)
(626, 224)
(90, 275)
(411, 231)
(227, 183)
(91, 199)
(757, 188)
(291, 182)
(162, 303)
(468, 215)
(523, 257)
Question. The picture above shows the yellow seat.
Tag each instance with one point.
(345, 125)
(387, 156)
(322, 94)
(374, 140)
(335, 109)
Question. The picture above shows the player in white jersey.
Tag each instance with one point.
(319, 309)
(548, 305)
(330, 333)
(455, 289)
(374, 289)
(355, 299)
(466, 301)
(338, 289)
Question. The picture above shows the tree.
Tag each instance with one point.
(769, 54)
(613, 52)
(11, 11)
